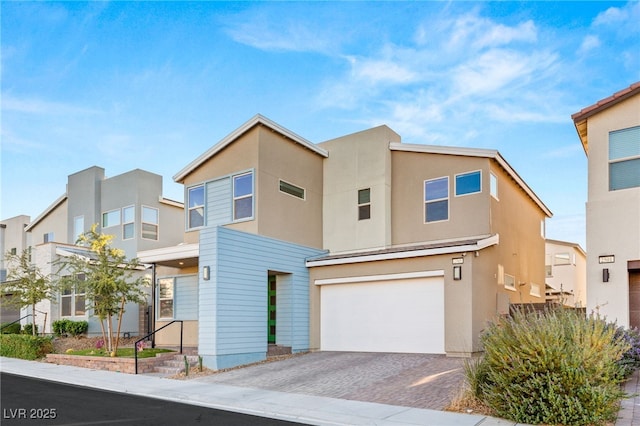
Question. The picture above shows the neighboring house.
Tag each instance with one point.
(610, 134)
(13, 240)
(361, 243)
(129, 206)
(566, 269)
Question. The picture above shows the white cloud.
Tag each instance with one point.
(623, 19)
(374, 71)
(589, 43)
(41, 106)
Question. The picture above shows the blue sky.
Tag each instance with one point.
(152, 85)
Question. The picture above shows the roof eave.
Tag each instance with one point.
(231, 137)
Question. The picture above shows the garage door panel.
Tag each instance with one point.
(384, 316)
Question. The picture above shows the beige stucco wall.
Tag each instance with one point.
(468, 214)
(358, 161)
(272, 157)
(55, 221)
(570, 278)
(613, 224)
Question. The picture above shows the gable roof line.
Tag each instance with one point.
(231, 137)
(47, 211)
(474, 152)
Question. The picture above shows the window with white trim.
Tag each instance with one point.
(291, 189)
(78, 227)
(468, 183)
(548, 266)
(624, 159)
(72, 300)
(165, 298)
(535, 290)
(509, 282)
(364, 204)
(493, 185)
(128, 222)
(436, 199)
(195, 207)
(243, 196)
(150, 222)
(48, 237)
(563, 259)
(111, 218)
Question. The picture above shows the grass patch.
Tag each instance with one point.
(122, 352)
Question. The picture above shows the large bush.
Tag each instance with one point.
(24, 346)
(11, 328)
(65, 327)
(555, 367)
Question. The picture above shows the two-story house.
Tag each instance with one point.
(129, 206)
(566, 273)
(13, 240)
(609, 131)
(361, 243)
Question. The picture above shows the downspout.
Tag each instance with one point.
(153, 305)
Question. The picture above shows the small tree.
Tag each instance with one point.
(109, 282)
(27, 284)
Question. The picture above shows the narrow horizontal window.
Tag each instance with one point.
(291, 189)
(111, 218)
(468, 183)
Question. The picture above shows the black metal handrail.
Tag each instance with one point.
(19, 319)
(135, 351)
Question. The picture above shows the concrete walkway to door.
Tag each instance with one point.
(411, 380)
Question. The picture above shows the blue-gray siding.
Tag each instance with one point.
(219, 202)
(233, 303)
(186, 297)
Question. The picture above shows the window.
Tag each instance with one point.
(78, 227)
(468, 183)
(243, 196)
(165, 298)
(562, 259)
(13, 251)
(548, 266)
(436, 198)
(542, 230)
(509, 282)
(128, 222)
(149, 223)
(290, 189)
(48, 237)
(493, 185)
(535, 290)
(364, 204)
(195, 212)
(624, 159)
(72, 300)
(111, 218)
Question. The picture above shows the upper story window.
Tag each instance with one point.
(624, 159)
(509, 282)
(364, 204)
(48, 237)
(493, 185)
(128, 222)
(111, 218)
(243, 196)
(150, 221)
(291, 189)
(78, 227)
(436, 199)
(563, 259)
(195, 203)
(468, 183)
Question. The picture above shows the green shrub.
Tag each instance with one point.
(24, 346)
(28, 329)
(556, 367)
(630, 360)
(76, 328)
(9, 328)
(65, 327)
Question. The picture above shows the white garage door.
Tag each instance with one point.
(402, 315)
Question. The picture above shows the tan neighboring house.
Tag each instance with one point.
(13, 240)
(610, 134)
(361, 243)
(566, 271)
(128, 206)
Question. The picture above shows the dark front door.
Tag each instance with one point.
(271, 310)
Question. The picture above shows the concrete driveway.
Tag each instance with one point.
(411, 380)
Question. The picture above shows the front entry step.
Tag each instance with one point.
(276, 350)
(175, 364)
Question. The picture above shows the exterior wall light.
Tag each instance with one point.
(206, 273)
(457, 273)
(605, 275)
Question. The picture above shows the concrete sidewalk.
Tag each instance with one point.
(313, 410)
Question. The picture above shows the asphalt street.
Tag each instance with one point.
(29, 401)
